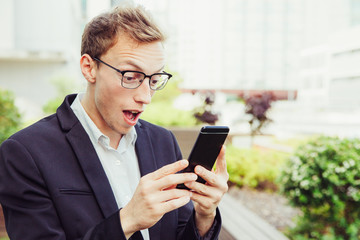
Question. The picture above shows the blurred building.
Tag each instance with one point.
(306, 45)
(239, 44)
(330, 73)
(40, 41)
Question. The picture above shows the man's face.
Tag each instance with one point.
(118, 108)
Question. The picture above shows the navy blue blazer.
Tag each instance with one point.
(53, 186)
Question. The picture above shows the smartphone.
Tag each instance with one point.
(206, 149)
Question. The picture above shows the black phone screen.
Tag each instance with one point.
(206, 149)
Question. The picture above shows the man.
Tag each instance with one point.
(94, 170)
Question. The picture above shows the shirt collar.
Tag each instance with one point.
(96, 136)
(127, 140)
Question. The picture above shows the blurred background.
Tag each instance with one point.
(305, 52)
(278, 72)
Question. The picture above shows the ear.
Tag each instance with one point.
(88, 68)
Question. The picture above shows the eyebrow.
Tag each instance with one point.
(138, 68)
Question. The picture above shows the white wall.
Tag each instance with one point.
(42, 25)
(40, 40)
(6, 24)
(95, 7)
(238, 44)
(331, 73)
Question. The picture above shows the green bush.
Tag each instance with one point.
(322, 178)
(53, 104)
(254, 167)
(164, 114)
(170, 92)
(64, 85)
(161, 111)
(10, 118)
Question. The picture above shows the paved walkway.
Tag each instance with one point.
(240, 223)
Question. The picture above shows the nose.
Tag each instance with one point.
(143, 92)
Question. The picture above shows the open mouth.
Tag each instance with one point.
(131, 115)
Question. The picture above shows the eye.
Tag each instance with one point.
(132, 76)
(154, 82)
(128, 78)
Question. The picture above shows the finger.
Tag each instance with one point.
(210, 177)
(205, 195)
(201, 188)
(171, 187)
(205, 201)
(168, 195)
(204, 205)
(169, 169)
(174, 179)
(221, 167)
(175, 204)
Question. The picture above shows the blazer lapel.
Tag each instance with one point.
(147, 164)
(145, 154)
(87, 157)
(92, 169)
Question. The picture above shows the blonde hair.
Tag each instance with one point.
(101, 33)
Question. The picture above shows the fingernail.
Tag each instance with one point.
(194, 176)
(183, 162)
(199, 169)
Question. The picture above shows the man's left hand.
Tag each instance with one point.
(207, 196)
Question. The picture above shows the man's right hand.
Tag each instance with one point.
(156, 195)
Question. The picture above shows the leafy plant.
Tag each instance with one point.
(164, 114)
(170, 92)
(10, 118)
(323, 179)
(64, 86)
(204, 114)
(257, 106)
(253, 167)
(51, 106)
(161, 111)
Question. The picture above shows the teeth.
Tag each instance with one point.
(135, 113)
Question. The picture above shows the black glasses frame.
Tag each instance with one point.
(145, 76)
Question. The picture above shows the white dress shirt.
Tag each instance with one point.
(121, 165)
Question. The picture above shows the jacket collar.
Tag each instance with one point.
(147, 163)
(67, 118)
(87, 157)
(144, 151)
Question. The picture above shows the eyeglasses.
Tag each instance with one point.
(133, 79)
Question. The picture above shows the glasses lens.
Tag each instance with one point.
(132, 79)
(158, 81)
